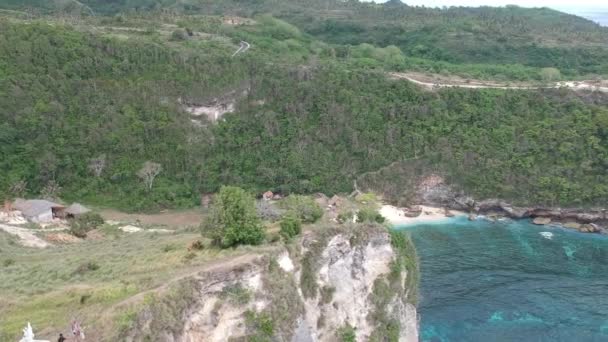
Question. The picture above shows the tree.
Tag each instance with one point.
(84, 223)
(18, 189)
(303, 207)
(233, 220)
(550, 74)
(148, 173)
(51, 190)
(291, 226)
(97, 165)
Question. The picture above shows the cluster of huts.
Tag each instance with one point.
(43, 211)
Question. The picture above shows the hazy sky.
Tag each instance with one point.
(558, 4)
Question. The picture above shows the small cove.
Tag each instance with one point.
(510, 281)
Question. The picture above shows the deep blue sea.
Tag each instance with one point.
(484, 281)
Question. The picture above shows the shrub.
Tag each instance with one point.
(233, 219)
(237, 294)
(189, 256)
(178, 35)
(369, 215)
(82, 224)
(195, 245)
(347, 334)
(168, 248)
(327, 294)
(261, 323)
(308, 279)
(8, 262)
(290, 227)
(86, 267)
(268, 211)
(346, 216)
(304, 207)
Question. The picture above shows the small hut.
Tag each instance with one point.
(39, 211)
(76, 209)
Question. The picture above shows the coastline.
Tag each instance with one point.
(428, 215)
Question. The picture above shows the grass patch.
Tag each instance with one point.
(347, 334)
(46, 286)
(236, 294)
(308, 277)
(261, 325)
(285, 306)
(163, 315)
(327, 294)
(407, 259)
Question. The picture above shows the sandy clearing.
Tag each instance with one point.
(26, 237)
(395, 216)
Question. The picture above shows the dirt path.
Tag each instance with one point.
(26, 237)
(243, 46)
(423, 81)
(228, 263)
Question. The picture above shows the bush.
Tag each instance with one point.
(261, 323)
(347, 334)
(290, 227)
(82, 224)
(304, 207)
(268, 211)
(233, 219)
(369, 215)
(346, 216)
(195, 245)
(236, 294)
(178, 35)
(86, 267)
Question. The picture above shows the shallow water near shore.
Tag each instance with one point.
(511, 281)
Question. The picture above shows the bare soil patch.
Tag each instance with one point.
(171, 219)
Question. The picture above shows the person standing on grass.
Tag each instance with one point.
(61, 338)
(77, 331)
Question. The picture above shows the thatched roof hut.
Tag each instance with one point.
(76, 209)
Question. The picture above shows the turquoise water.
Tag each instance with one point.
(505, 281)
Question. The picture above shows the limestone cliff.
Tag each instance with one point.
(339, 282)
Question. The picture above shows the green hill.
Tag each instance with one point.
(310, 116)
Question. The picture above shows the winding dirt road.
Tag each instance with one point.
(574, 85)
(244, 46)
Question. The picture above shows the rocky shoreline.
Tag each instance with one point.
(583, 220)
(432, 190)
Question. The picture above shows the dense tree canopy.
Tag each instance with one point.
(86, 105)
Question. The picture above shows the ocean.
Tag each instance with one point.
(511, 281)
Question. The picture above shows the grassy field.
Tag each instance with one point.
(105, 279)
(49, 287)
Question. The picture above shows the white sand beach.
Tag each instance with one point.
(396, 216)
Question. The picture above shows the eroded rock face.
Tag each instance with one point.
(348, 271)
(240, 299)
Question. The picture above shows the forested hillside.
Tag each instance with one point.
(509, 43)
(88, 100)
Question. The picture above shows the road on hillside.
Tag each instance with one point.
(574, 85)
(243, 47)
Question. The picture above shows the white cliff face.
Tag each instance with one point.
(345, 268)
(218, 318)
(350, 271)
